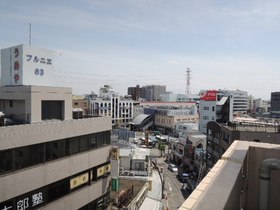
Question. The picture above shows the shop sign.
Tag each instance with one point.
(79, 180)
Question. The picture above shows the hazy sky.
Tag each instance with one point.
(226, 44)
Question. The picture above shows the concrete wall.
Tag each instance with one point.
(38, 176)
(256, 156)
(33, 96)
(82, 197)
(23, 135)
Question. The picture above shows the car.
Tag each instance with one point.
(172, 167)
(184, 177)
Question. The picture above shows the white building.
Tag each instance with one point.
(240, 100)
(111, 104)
(214, 107)
(50, 161)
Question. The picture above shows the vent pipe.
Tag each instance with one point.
(265, 173)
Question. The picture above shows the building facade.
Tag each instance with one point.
(214, 107)
(153, 92)
(50, 161)
(109, 103)
(168, 118)
(221, 136)
(275, 105)
(135, 92)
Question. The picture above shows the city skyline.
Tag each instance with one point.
(231, 45)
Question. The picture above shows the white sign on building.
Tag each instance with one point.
(26, 65)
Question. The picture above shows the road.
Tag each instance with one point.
(173, 187)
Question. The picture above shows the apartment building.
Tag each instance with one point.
(109, 103)
(220, 136)
(49, 160)
(167, 118)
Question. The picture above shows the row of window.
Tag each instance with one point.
(47, 194)
(23, 157)
(207, 108)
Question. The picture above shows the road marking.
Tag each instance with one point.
(170, 188)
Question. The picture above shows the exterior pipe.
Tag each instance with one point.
(265, 173)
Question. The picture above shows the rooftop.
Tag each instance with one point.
(234, 183)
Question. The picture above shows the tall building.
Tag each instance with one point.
(50, 161)
(240, 100)
(153, 92)
(275, 105)
(135, 92)
(109, 103)
(214, 107)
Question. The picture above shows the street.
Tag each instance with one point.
(173, 188)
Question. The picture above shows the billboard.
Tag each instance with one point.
(27, 65)
(209, 95)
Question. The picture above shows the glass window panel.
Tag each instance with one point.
(56, 149)
(84, 143)
(74, 145)
(6, 161)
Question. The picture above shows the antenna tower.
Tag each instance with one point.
(188, 81)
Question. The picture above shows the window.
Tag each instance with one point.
(92, 140)
(213, 108)
(29, 155)
(205, 118)
(139, 166)
(100, 139)
(74, 145)
(84, 143)
(205, 108)
(6, 161)
(57, 149)
(11, 103)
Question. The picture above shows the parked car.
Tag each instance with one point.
(172, 167)
(184, 177)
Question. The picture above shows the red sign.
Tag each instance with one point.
(210, 95)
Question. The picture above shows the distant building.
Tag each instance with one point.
(239, 98)
(214, 107)
(275, 105)
(171, 97)
(167, 118)
(135, 92)
(80, 103)
(111, 104)
(153, 92)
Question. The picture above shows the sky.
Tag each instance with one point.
(226, 44)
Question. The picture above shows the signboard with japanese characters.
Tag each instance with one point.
(27, 65)
(79, 180)
(27, 201)
(100, 171)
